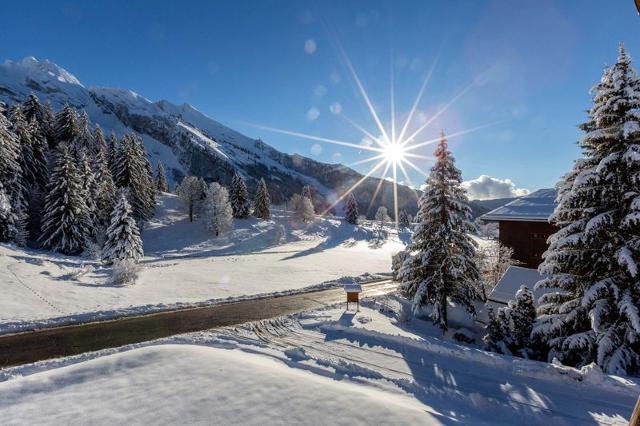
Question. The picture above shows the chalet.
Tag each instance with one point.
(523, 225)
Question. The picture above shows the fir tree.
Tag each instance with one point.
(65, 127)
(239, 197)
(123, 237)
(522, 315)
(133, 171)
(593, 259)
(307, 191)
(40, 155)
(47, 124)
(161, 178)
(104, 189)
(403, 219)
(99, 142)
(351, 211)
(113, 153)
(218, 211)
(262, 202)
(65, 227)
(90, 191)
(496, 338)
(33, 109)
(443, 267)
(6, 216)
(10, 179)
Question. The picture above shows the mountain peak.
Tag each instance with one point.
(43, 70)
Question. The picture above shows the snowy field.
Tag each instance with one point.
(320, 367)
(183, 265)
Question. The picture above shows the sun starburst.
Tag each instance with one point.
(392, 152)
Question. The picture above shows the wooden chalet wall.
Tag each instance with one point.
(527, 239)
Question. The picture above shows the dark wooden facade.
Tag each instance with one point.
(527, 239)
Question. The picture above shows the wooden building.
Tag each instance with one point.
(523, 225)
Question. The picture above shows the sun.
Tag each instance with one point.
(394, 152)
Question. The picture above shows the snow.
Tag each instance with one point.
(326, 366)
(536, 207)
(184, 265)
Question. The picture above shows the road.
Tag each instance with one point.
(37, 345)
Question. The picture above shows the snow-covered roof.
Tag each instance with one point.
(352, 288)
(509, 284)
(513, 278)
(535, 207)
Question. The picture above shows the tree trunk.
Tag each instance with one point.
(191, 212)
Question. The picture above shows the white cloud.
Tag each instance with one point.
(335, 108)
(310, 46)
(316, 149)
(336, 157)
(313, 114)
(486, 188)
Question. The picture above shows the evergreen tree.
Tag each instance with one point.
(403, 219)
(161, 178)
(593, 259)
(496, 338)
(32, 109)
(522, 315)
(218, 211)
(99, 142)
(133, 171)
(307, 191)
(40, 155)
(239, 197)
(90, 190)
(65, 127)
(10, 179)
(104, 190)
(48, 124)
(113, 153)
(123, 237)
(443, 267)
(6, 216)
(351, 211)
(24, 177)
(262, 202)
(65, 227)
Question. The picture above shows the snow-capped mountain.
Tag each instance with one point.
(188, 142)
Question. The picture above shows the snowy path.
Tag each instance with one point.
(401, 369)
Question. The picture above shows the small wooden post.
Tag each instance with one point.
(635, 416)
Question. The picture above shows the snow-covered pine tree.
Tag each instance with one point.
(442, 268)
(83, 141)
(65, 226)
(403, 219)
(10, 178)
(90, 191)
(123, 237)
(593, 259)
(239, 197)
(48, 123)
(65, 126)
(33, 109)
(189, 192)
(262, 202)
(497, 335)
(133, 171)
(104, 189)
(351, 210)
(24, 178)
(113, 153)
(40, 150)
(161, 178)
(522, 315)
(99, 142)
(218, 211)
(6, 216)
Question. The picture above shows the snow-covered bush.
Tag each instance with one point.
(301, 208)
(123, 272)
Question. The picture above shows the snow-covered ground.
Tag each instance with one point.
(321, 367)
(184, 265)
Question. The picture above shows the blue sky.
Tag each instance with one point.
(528, 65)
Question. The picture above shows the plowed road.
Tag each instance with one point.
(31, 346)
